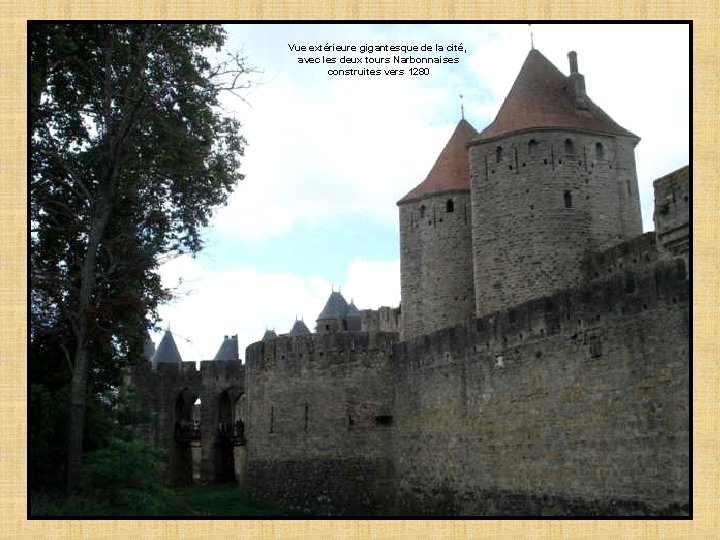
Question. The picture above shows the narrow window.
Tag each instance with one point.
(569, 148)
(629, 189)
(450, 206)
(383, 420)
(599, 151)
(306, 416)
(498, 154)
(567, 198)
(422, 211)
(272, 419)
(629, 283)
(532, 147)
(595, 347)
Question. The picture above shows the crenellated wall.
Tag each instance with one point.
(169, 393)
(576, 403)
(633, 254)
(672, 213)
(319, 423)
(541, 201)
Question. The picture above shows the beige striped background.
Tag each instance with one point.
(13, 268)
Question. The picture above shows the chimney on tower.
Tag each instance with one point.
(578, 82)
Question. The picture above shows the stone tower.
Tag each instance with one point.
(436, 272)
(338, 316)
(552, 178)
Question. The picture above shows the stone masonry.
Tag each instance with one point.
(539, 363)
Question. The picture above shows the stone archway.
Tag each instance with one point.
(229, 434)
(186, 433)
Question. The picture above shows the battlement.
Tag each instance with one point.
(185, 374)
(672, 213)
(579, 314)
(383, 319)
(638, 252)
(292, 353)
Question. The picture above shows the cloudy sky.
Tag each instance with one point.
(329, 156)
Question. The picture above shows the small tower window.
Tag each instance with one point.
(422, 211)
(532, 147)
(599, 151)
(569, 147)
(567, 198)
(450, 206)
(498, 154)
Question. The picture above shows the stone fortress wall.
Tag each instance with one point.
(575, 403)
(319, 422)
(169, 393)
(672, 206)
(539, 363)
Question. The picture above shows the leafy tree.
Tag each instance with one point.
(130, 153)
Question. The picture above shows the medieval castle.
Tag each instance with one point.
(539, 363)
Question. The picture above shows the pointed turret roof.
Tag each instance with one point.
(335, 307)
(299, 329)
(167, 352)
(452, 169)
(148, 347)
(542, 97)
(269, 335)
(228, 350)
(353, 311)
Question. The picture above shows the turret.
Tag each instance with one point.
(436, 275)
(338, 316)
(299, 329)
(167, 352)
(552, 178)
(228, 350)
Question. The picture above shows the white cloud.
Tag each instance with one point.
(322, 146)
(211, 304)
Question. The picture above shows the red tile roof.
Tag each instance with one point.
(543, 97)
(451, 169)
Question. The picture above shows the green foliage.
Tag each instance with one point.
(125, 474)
(47, 422)
(223, 500)
(130, 154)
(124, 478)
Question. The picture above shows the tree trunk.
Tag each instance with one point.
(83, 316)
(78, 384)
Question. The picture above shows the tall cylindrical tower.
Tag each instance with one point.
(435, 243)
(552, 178)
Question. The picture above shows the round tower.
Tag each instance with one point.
(436, 272)
(552, 178)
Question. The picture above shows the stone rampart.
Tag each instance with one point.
(576, 403)
(319, 423)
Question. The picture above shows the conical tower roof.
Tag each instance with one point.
(451, 171)
(269, 335)
(542, 97)
(228, 350)
(167, 352)
(335, 307)
(353, 311)
(148, 347)
(299, 329)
